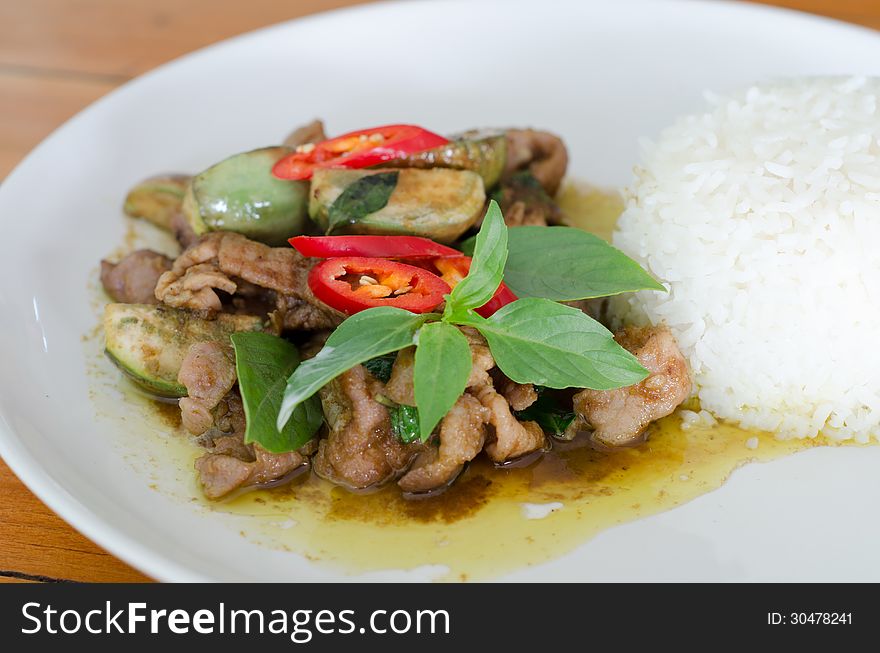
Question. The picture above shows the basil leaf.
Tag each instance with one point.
(365, 335)
(539, 341)
(263, 362)
(487, 267)
(440, 373)
(381, 366)
(365, 196)
(405, 423)
(566, 264)
(547, 412)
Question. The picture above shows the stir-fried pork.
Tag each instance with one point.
(481, 358)
(519, 395)
(133, 279)
(360, 450)
(512, 437)
(463, 430)
(399, 388)
(542, 153)
(225, 271)
(208, 373)
(219, 259)
(462, 433)
(227, 433)
(220, 474)
(619, 417)
(230, 464)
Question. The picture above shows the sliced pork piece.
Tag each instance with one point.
(541, 153)
(306, 314)
(360, 450)
(219, 259)
(399, 388)
(519, 395)
(133, 280)
(618, 417)
(481, 358)
(208, 373)
(513, 438)
(227, 434)
(220, 474)
(462, 433)
(230, 464)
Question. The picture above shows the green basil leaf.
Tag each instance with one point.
(365, 196)
(365, 335)
(548, 413)
(381, 366)
(405, 423)
(440, 374)
(487, 267)
(263, 362)
(566, 264)
(539, 341)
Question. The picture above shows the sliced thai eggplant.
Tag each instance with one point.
(439, 203)
(480, 151)
(157, 199)
(149, 342)
(240, 194)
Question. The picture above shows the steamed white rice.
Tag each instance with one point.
(762, 218)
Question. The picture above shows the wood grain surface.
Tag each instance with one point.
(56, 57)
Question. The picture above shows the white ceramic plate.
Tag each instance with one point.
(600, 74)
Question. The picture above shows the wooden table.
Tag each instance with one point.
(56, 57)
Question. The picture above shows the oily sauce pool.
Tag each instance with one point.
(495, 520)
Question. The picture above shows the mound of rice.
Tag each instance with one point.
(762, 217)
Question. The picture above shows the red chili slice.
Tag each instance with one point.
(398, 247)
(353, 284)
(358, 149)
(454, 269)
(502, 297)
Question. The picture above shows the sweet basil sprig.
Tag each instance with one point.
(533, 340)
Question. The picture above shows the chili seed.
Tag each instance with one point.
(367, 281)
(403, 290)
(373, 291)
